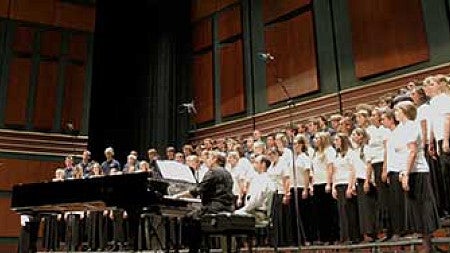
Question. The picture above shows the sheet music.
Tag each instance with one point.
(175, 171)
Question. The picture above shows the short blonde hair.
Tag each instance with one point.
(408, 108)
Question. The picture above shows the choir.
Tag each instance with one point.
(379, 173)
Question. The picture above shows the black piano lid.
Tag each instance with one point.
(115, 191)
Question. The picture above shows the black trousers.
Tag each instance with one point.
(28, 236)
(437, 182)
(308, 230)
(118, 227)
(193, 233)
(382, 200)
(367, 206)
(348, 215)
(444, 159)
(73, 232)
(97, 232)
(50, 240)
(282, 219)
(325, 215)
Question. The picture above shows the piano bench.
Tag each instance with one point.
(230, 226)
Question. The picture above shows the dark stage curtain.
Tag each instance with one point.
(142, 55)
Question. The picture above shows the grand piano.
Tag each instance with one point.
(128, 191)
(135, 193)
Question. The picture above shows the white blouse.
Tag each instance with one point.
(277, 172)
(391, 160)
(377, 136)
(302, 164)
(360, 164)
(320, 163)
(342, 166)
(424, 113)
(440, 107)
(409, 132)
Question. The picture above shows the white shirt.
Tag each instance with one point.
(409, 132)
(287, 156)
(440, 108)
(391, 161)
(261, 187)
(277, 172)
(239, 175)
(320, 163)
(377, 136)
(250, 172)
(360, 165)
(343, 167)
(201, 172)
(302, 164)
(424, 113)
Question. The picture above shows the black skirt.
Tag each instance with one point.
(422, 215)
(283, 221)
(348, 215)
(396, 205)
(367, 209)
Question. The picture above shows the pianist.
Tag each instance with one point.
(216, 193)
(260, 191)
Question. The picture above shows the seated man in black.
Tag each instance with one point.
(216, 193)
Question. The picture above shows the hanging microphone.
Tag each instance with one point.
(190, 107)
(69, 126)
(266, 56)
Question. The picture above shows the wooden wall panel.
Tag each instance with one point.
(202, 8)
(387, 35)
(202, 80)
(45, 103)
(23, 39)
(78, 47)
(276, 8)
(52, 12)
(292, 43)
(73, 95)
(232, 79)
(230, 23)
(50, 144)
(4, 6)
(39, 11)
(220, 4)
(74, 16)
(10, 221)
(16, 171)
(17, 94)
(202, 34)
(50, 43)
(8, 247)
